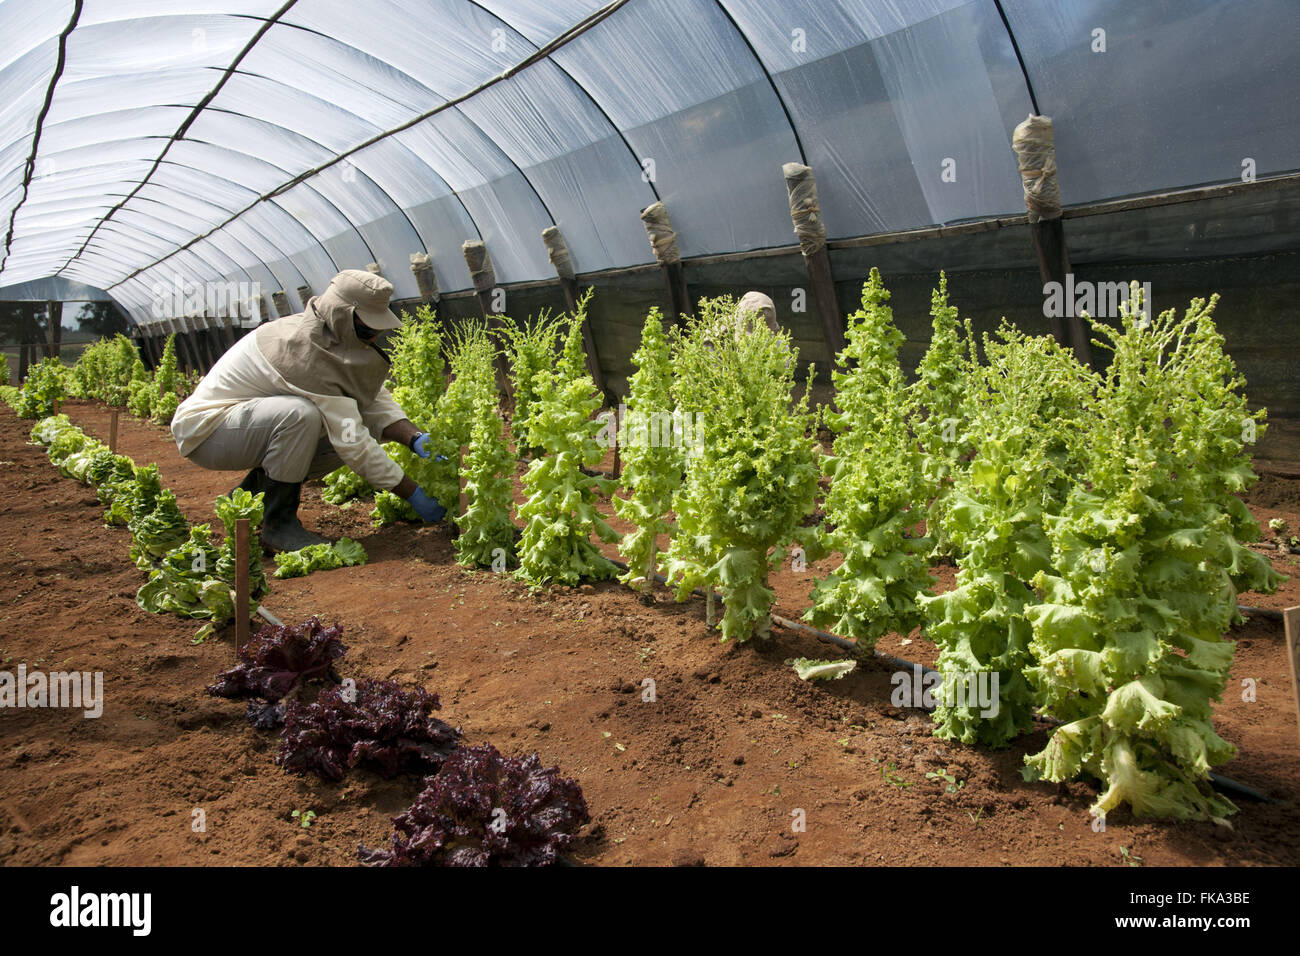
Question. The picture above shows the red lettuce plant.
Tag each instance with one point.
(377, 724)
(277, 661)
(483, 809)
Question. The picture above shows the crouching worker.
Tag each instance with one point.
(299, 397)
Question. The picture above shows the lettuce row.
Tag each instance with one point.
(652, 459)
(1028, 410)
(560, 515)
(46, 382)
(442, 410)
(165, 400)
(753, 482)
(876, 486)
(530, 347)
(185, 577)
(1147, 564)
(938, 406)
(486, 530)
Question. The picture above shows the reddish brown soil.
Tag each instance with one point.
(713, 771)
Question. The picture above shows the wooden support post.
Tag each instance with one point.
(112, 430)
(242, 599)
(281, 303)
(195, 335)
(58, 405)
(425, 278)
(227, 333)
(485, 280)
(618, 448)
(185, 346)
(211, 344)
(1035, 147)
(558, 251)
(806, 214)
(191, 342)
(144, 345)
(54, 320)
(185, 351)
(1291, 619)
(1053, 265)
(29, 339)
(255, 312)
(172, 330)
(675, 278)
(664, 242)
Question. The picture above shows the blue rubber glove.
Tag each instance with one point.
(420, 444)
(427, 508)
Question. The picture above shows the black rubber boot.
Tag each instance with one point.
(281, 529)
(253, 482)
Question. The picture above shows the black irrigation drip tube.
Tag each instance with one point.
(1218, 781)
(1280, 548)
(1264, 612)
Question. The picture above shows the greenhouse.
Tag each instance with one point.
(650, 433)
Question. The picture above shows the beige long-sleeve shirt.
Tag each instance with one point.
(244, 373)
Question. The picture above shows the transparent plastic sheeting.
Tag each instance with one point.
(903, 108)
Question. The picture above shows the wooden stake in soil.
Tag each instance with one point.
(1291, 618)
(806, 214)
(241, 584)
(58, 405)
(112, 432)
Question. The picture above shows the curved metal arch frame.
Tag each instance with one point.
(486, 137)
(30, 167)
(585, 92)
(369, 177)
(363, 168)
(305, 229)
(208, 261)
(771, 80)
(250, 156)
(253, 260)
(357, 150)
(194, 114)
(241, 187)
(578, 86)
(195, 200)
(269, 22)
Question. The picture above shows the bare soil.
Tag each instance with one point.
(732, 752)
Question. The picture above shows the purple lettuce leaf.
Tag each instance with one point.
(264, 715)
(375, 724)
(277, 660)
(483, 809)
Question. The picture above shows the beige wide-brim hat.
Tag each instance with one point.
(366, 292)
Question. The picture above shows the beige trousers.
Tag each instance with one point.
(283, 434)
